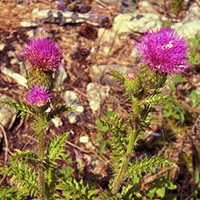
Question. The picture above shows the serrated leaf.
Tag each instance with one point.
(58, 110)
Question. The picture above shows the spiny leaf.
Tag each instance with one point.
(156, 99)
(118, 76)
(55, 149)
(58, 110)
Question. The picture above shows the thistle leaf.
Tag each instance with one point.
(58, 110)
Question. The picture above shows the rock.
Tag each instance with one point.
(146, 7)
(96, 94)
(28, 24)
(120, 23)
(14, 61)
(62, 76)
(193, 13)
(84, 139)
(190, 25)
(189, 29)
(17, 77)
(2, 46)
(7, 114)
(100, 73)
(73, 101)
(141, 23)
(57, 122)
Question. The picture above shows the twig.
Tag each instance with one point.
(73, 145)
(195, 124)
(6, 151)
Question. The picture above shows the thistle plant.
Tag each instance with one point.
(44, 58)
(163, 53)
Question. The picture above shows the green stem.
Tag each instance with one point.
(118, 178)
(41, 146)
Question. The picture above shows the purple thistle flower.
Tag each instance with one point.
(164, 51)
(38, 96)
(42, 54)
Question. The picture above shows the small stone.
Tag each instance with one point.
(57, 122)
(7, 114)
(62, 76)
(30, 33)
(96, 94)
(146, 7)
(189, 29)
(28, 24)
(14, 61)
(2, 46)
(142, 25)
(17, 77)
(84, 139)
(73, 101)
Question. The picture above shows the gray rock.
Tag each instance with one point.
(73, 101)
(190, 25)
(142, 23)
(62, 76)
(2, 46)
(96, 94)
(146, 7)
(17, 77)
(189, 29)
(28, 24)
(7, 114)
(193, 13)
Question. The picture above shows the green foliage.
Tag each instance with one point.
(58, 110)
(118, 76)
(194, 57)
(167, 23)
(76, 190)
(160, 187)
(9, 193)
(177, 6)
(55, 149)
(194, 98)
(23, 168)
(174, 110)
(102, 130)
(156, 99)
(23, 174)
(117, 128)
(148, 165)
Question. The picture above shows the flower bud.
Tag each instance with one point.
(133, 85)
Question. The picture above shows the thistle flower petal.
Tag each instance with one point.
(38, 96)
(42, 54)
(164, 51)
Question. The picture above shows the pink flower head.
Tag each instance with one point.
(164, 51)
(42, 54)
(131, 76)
(38, 96)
